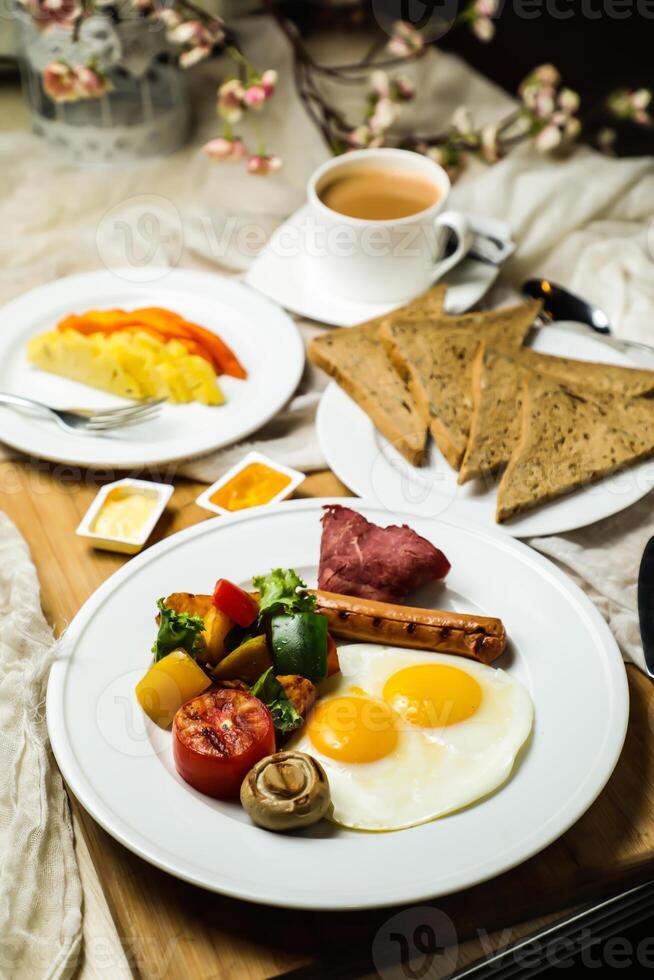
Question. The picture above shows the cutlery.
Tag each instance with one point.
(561, 304)
(88, 420)
(567, 938)
(646, 604)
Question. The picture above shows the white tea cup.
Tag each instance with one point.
(385, 260)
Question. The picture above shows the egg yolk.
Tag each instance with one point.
(353, 729)
(433, 695)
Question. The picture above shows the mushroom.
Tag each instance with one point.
(286, 791)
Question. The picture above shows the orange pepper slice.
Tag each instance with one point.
(164, 325)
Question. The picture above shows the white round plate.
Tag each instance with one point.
(372, 468)
(263, 337)
(121, 768)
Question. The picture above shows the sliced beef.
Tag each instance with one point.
(386, 563)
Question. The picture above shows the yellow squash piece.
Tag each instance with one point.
(246, 663)
(130, 364)
(169, 684)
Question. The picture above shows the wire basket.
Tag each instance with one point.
(145, 114)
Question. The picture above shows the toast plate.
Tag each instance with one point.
(372, 468)
(263, 337)
(120, 767)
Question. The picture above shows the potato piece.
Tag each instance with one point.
(247, 662)
(216, 624)
(216, 627)
(300, 691)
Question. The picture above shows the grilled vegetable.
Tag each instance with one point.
(269, 689)
(286, 791)
(299, 644)
(177, 630)
(218, 737)
(247, 662)
(235, 602)
(168, 684)
(216, 624)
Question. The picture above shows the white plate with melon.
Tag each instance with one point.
(263, 337)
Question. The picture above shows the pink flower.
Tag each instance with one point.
(268, 82)
(194, 55)
(230, 100)
(64, 83)
(462, 121)
(358, 137)
(362, 137)
(606, 140)
(222, 148)
(543, 104)
(254, 96)
(59, 82)
(402, 89)
(198, 39)
(53, 13)
(546, 75)
(260, 163)
(90, 83)
(549, 137)
(486, 8)
(484, 28)
(260, 89)
(490, 147)
(568, 100)
(405, 40)
(383, 116)
(170, 19)
(380, 84)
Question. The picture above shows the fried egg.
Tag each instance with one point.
(406, 736)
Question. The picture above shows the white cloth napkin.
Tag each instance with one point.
(40, 890)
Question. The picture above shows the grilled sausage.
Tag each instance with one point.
(478, 637)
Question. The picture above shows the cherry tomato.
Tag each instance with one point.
(235, 602)
(218, 737)
(333, 665)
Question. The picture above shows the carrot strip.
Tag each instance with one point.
(220, 351)
(164, 325)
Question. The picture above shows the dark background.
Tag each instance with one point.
(595, 50)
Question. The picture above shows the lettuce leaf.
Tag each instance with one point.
(176, 630)
(283, 591)
(285, 716)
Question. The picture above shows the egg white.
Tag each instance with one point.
(431, 771)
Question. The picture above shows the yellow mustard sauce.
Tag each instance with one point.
(125, 514)
(256, 484)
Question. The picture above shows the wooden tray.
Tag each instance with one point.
(171, 929)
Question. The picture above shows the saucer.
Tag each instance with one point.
(287, 274)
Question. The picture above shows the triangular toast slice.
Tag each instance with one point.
(495, 421)
(496, 398)
(435, 359)
(569, 440)
(357, 360)
(609, 378)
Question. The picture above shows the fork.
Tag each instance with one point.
(89, 420)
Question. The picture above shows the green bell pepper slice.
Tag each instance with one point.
(299, 644)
